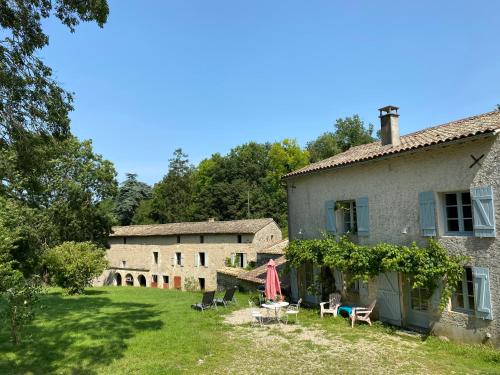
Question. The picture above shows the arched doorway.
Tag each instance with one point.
(142, 280)
(129, 280)
(118, 279)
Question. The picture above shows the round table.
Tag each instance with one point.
(276, 306)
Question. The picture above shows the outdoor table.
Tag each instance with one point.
(276, 306)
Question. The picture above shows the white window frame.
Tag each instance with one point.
(178, 258)
(204, 259)
(461, 231)
(341, 223)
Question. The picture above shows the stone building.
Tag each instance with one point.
(181, 255)
(441, 182)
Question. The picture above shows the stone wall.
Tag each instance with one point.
(392, 186)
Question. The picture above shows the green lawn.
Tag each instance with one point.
(153, 331)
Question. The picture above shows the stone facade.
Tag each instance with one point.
(176, 264)
(392, 185)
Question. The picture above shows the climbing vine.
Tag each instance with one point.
(431, 266)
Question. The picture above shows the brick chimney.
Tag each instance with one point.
(389, 126)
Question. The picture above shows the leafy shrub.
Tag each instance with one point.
(73, 265)
(22, 297)
(190, 284)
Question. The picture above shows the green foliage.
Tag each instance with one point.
(431, 266)
(73, 265)
(190, 284)
(323, 147)
(129, 197)
(30, 99)
(21, 299)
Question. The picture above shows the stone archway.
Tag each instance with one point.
(129, 280)
(118, 279)
(142, 280)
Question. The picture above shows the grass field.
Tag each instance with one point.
(152, 331)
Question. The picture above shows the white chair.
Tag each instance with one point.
(331, 306)
(362, 313)
(257, 316)
(293, 309)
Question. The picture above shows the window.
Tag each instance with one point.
(458, 213)
(202, 283)
(165, 279)
(155, 257)
(272, 237)
(201, 258)
(239, 238)
(463, 299)
(348, 219)
(202, 239)
(419, 297)
(178, 239)
(178, 259)
(124, 263)
(124, 240)
(241, 260)
(155, 279)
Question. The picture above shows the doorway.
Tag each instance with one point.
(129, 280)
(177, 282)
(418, 305)
(142, 280)
(118, 279)
(389, 298)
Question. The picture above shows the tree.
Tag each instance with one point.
(130, 195)
(351, 131)
(30, 99)
(498, 107)
(323, 147)
(73, 265)
(172, 196)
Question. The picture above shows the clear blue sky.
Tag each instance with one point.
(210, 75)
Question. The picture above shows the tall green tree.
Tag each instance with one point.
(351, 131)
(172, 199)
(323, 147)
(129, 197)
(30, 99)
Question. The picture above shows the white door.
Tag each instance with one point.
(389, 298)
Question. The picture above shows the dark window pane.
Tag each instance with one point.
(451, 212)
(470, 289)
(465, 198)
(451, 199)
(468, 225)
(453, 225)
(460, 300)
(468, 274)
(467, 211)
(471, 303)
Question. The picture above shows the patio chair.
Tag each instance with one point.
(362, 313)
(228, 297)
(331, 306)
(207, 302)
(257, 317)
(293, 309)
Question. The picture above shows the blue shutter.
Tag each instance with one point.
(363, 216)
(331, 225)
(427, 206)
(482, 296)
(483, 211)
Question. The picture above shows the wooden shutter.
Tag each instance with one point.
(172, 258)
(339, 282)
(483, 211)
(482, 296)
(196, 259)
(427, 206)
(182, 260)
(331, 225)
(244, 255)
(363, 216)
(232, 259)
(206, 259)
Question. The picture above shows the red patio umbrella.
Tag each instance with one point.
(272, 281)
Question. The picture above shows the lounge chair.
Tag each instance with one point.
(331, 306)
(362, 313)
(228, 297)
(207, 302)
(293, 309)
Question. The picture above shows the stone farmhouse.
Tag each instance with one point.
(181, 255)
(441, 182)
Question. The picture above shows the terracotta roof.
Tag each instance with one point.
(203, 227)
(465, 128)
(278, 248)
(232, 271)
(258, 275)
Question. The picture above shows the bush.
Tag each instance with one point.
(73, 265)
(21, 297)
(190, 284)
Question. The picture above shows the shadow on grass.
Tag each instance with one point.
(76, 335)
